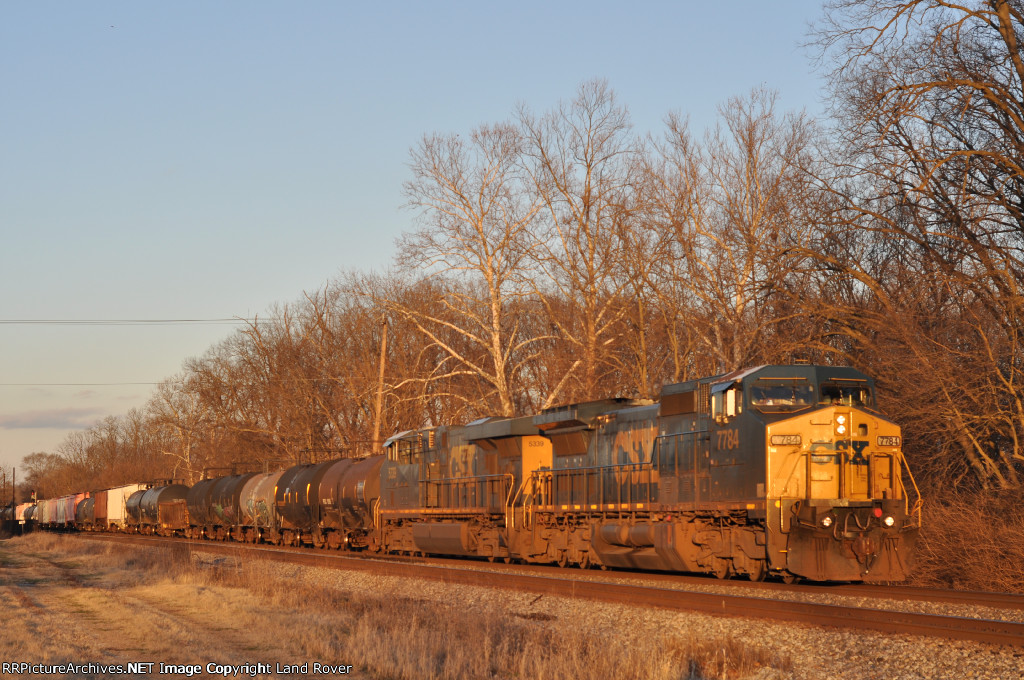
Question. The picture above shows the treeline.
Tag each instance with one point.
(564, 255)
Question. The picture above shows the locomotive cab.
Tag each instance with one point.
(836, 506)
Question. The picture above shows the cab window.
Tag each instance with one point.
(774, 395)
(846, 393)
(726, 404)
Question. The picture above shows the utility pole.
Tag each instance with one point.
(380, 385)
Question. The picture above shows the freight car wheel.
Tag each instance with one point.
(789, 578)
(585, 560)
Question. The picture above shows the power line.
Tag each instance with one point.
(110, 384)
(123, 322)
(279, 381)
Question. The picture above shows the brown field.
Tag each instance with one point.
(68, 600)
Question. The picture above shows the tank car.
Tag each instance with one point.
(27, 517)
(214, 506)
(259, 519)
(297, 500)
(199, 500)
(225, 500)
(85, 514)
(133, 509)
(327, 505)
(347, 503)
(162, 510)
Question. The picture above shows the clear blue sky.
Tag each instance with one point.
(201, 160)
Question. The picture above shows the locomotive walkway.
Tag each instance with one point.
(570, 584)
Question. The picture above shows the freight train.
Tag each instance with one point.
(788, 471)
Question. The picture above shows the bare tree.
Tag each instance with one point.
(177, 412)
(931, 97)
(474, 240)
(740, 210)
(581, 157)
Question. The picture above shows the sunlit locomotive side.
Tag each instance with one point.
(778, 469)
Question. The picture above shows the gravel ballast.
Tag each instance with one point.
(813, 653)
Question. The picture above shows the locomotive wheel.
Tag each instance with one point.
(722, 568)
(758, 570)
(585, 560)
(562, 559)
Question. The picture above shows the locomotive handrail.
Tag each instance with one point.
(919, 503)
(472, 482)
(805, 454)
(509, 514)
(584, 473)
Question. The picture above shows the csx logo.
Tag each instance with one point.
(858, 446)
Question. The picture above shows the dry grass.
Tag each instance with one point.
(256, 606)
(972, 542)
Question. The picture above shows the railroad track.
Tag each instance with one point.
(974, 598)
(579, 584)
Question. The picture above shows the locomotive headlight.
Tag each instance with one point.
(889, 520)
(841, 424)
(826, 521)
